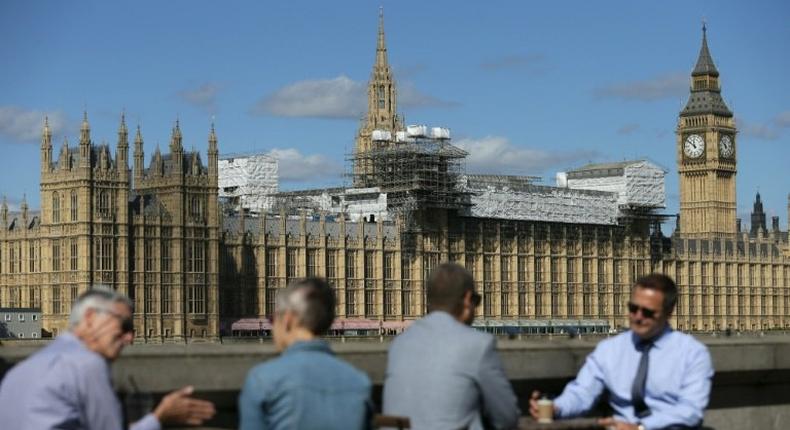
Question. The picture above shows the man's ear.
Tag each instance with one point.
(89, 317)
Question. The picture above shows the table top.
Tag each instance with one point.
(527, 423)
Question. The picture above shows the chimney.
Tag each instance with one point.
(738, 225)
(775, 223)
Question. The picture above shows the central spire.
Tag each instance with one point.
(381, 45)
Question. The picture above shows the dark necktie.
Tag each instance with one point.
(638, 389)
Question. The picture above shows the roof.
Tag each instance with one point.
(606, 169)
(707, 100)
(705, 65)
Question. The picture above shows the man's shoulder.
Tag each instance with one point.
(687, 342)
(282, 368)
(443, 326)
(615, 342)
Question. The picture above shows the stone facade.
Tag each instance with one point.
(158, 234)
(156, 242)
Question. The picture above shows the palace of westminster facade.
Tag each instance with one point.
(159, 234)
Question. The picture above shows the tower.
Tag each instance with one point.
(758, 217)
(382, 99)
(706, 154)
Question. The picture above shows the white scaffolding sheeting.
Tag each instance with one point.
(638, 184)
(355, 203)
(539, 203)
(249, 181)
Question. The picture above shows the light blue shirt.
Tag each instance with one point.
(678, 380)
(305, 388)
(63, 386)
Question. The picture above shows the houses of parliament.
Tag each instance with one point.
(195, 269)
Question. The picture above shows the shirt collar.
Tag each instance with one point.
(317, 345)
(658, 342)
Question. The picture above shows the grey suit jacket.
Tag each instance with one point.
(443, 374)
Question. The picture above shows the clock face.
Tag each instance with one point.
(694, 146)
(726, 147)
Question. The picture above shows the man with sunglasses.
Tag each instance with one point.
(442, 373)
(656, 378)
(66, 385)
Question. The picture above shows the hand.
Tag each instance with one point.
(533, 405)
(178, 408)
(611, 423)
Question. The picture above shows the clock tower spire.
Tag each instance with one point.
(706, 154)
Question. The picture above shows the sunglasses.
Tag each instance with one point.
(127, 325)
(476, 299)
(647, 313)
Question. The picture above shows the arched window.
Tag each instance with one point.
(55, 208)
(381, 97)
(195, 207)
(104, 203)
(74, 203)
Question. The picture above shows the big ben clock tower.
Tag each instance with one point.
(706, 154)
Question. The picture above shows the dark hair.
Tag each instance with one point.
(447, 286)
(313, 301)
(663, 283)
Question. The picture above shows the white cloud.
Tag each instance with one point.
(758, 130)
(203, 96)
(25, 125)
(627, 129)
(657, 88)
(337, 98)
(340, 97)
(293, 166)
(783, 119)
(497, 155)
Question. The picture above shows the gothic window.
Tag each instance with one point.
(104, 203)
(195, 207)
(331, 265)
(56, 302)
(167, 306)
(381, 97)
(74, 205)
(35, 296)
(291, 258)
(195, 256)
(370, 269)
(150, 256)
(74, 254)
(196, 299)
(389, 269)
(32, 257)
(370, 302)
(150, 300)
(351, 266)
(55, 208)
(271, 263)
(55, 255)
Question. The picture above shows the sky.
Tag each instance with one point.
(528, 88)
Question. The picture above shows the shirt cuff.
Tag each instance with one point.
(148, 422)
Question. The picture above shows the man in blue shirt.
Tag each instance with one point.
(67, 385)
(306, 387)
(657, 378)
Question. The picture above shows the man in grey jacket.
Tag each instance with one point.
(443, 374)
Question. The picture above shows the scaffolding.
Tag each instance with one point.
(418, 173)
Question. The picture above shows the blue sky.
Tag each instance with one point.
(529, 88)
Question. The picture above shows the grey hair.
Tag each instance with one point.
(99, 297)
(311, 300)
